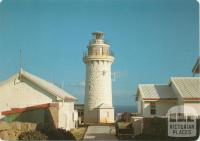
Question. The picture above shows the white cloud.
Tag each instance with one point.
(79, 84)
(118, 74)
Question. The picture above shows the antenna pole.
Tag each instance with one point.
(20, 58)
(20, 63)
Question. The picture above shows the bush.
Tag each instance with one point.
(126, 117)
(32, 135)
(59, 134)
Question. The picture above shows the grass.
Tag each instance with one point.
(79, 133)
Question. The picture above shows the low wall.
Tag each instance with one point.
(17, 126)
(137, 125)
(39, 116)
(19, 120)
(11, 130)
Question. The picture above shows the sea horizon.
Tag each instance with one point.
(125, 108)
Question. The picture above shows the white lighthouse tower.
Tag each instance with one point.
(98, 89)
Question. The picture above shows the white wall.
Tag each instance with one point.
(22, 94)
(146, 109)
(139, 104)
(98, 87)
(98, 84)
(162, 108)
(194, 105)
(106, 115)
(66, 117)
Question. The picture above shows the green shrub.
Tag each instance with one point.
(125, 117)
(32, 135)
(58, 134)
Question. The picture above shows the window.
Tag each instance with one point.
(153, 108)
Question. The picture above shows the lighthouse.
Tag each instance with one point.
(98, 107)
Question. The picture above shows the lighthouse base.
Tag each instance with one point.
(106, 115)
(100, 115)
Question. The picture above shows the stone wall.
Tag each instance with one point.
(11, 130)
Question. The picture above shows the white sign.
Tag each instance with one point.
(182, 121)
(182, 129)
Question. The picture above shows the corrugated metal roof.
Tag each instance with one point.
(188, 87)
(49, 87)
(152, 91)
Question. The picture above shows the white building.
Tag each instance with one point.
(156, 100)
(98, 106)
(26, 90)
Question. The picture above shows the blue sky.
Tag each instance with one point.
(153, 40)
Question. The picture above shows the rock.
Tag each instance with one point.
(4, 125)
(4, 135)
(16, 125)
(24, 126)
(12, 135)
(32, 126)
